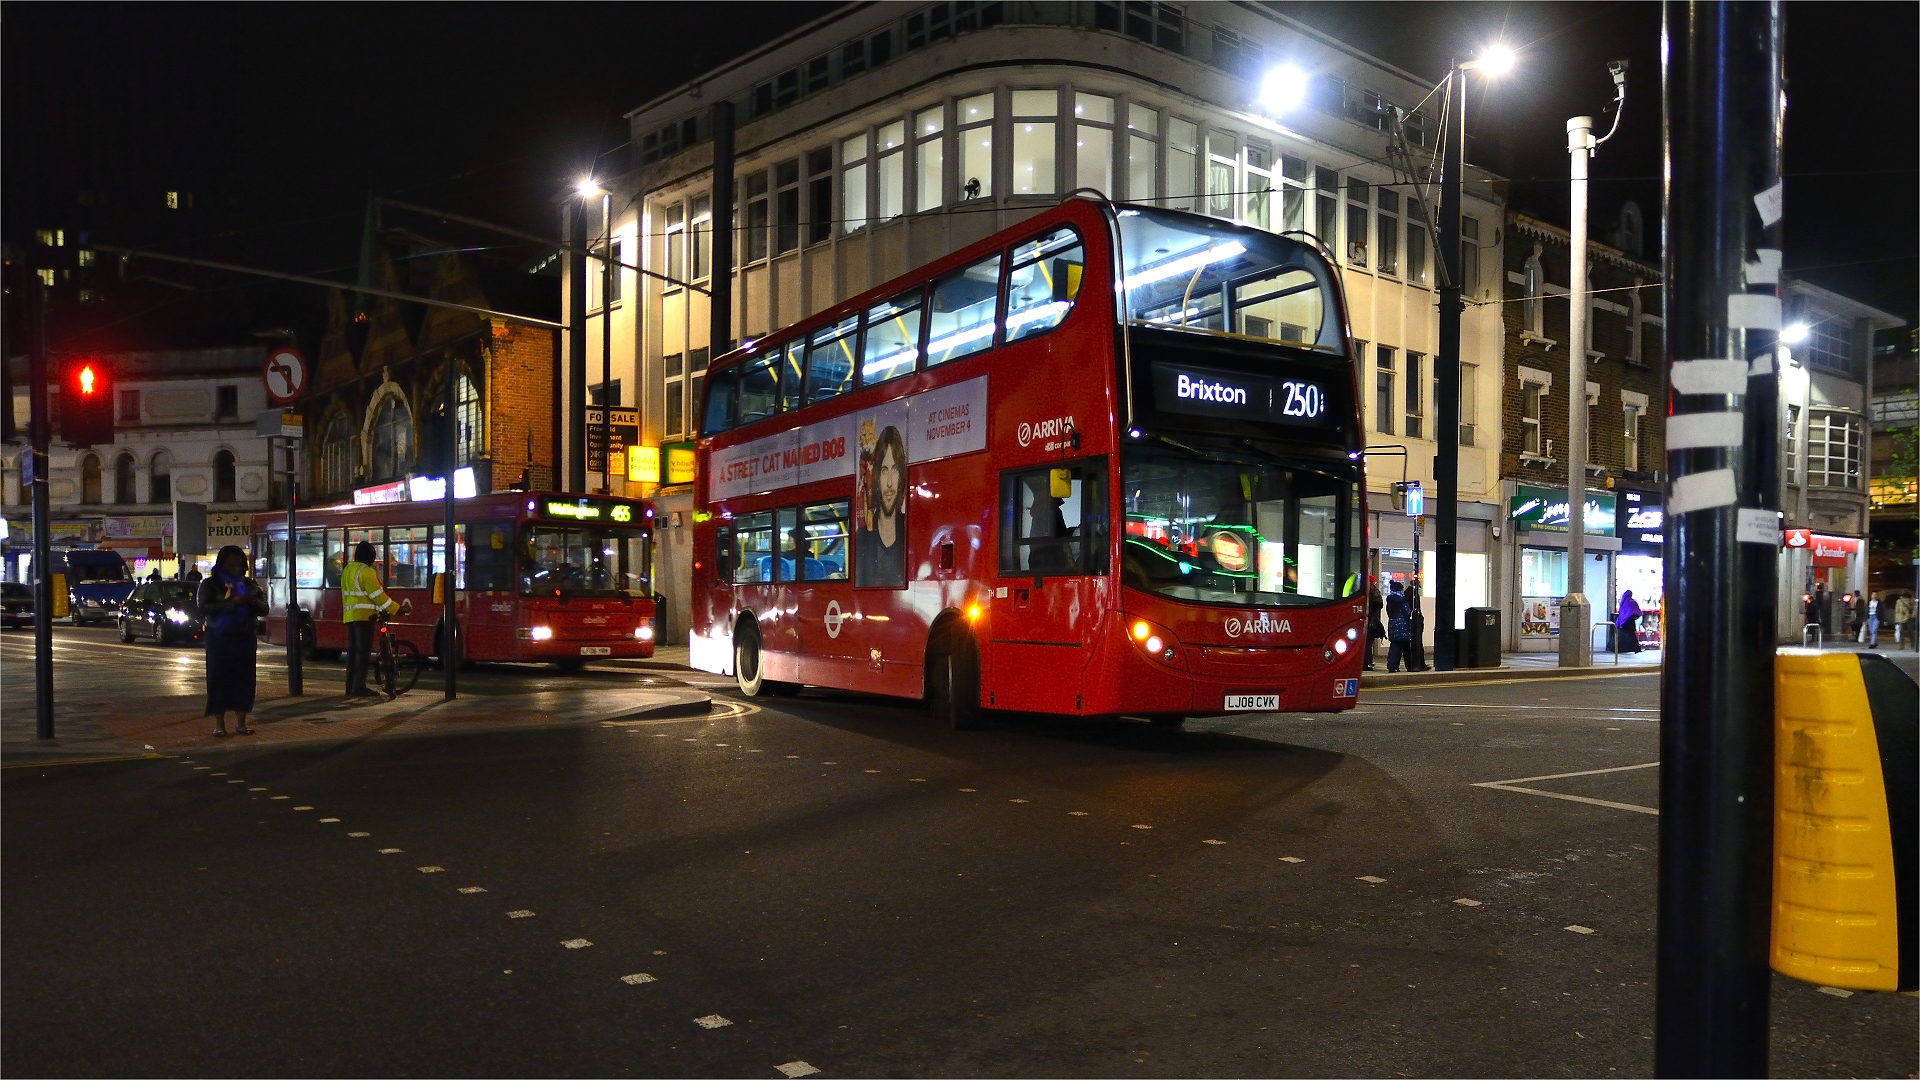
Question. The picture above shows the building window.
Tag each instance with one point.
(124, 487)
(160, 478)
(90, 480)
(1159, 24)
(392, 438)
(1383, 402)
(1630, 436)
(1830, 346)
(757, 216)
(1326, 207)
(674, 233)
(1033, 141)
(890, 179)
(816, 75)
(1833, 450)
(929, 157)
(1222, 187)
(786, 207)
(819, 195)
(1533, 314)
(696, 375)
(1143, 164)
(1469, 255)
(614, 273)
(975, 117)
(1359, 215)
(853, 183)
(226, 402)
(1183, 153)
(1792, 443)
(599, 394)
(469, 423)
(1469, 402)
(1293, 194)
(1530, 395)
(130, 406)
(1416, 390)
(701, 237)
(1416, 253)
(1259, 187)
(1093, 142)
(223, 478)
(336, 455)
(1386, 255)
(675, 366)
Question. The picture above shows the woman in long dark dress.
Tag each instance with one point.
(229, 601)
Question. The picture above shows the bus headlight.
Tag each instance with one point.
(643, 632)
(1156, 641)
(541, 633)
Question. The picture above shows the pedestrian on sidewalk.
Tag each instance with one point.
(230, 601)
(1399, 626)
(1902, 618)
(1375, 630)
(361, 597)
(1416, 629)
(1626, 624)
(1872, 629)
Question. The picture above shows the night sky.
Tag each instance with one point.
(280, 120)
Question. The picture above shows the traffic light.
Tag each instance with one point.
(86, 403)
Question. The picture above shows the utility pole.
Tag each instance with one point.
(607, 401)
(449, 627)
(296, 684)
(576, 380)
(721, 309)
(1724, 123)
(40, 433)
(1446, 458)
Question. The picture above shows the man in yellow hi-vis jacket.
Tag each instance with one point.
(361, 597)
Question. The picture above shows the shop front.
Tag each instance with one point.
(1539, 517)
(1402, 551)
(1640, 567)
(1811, 561)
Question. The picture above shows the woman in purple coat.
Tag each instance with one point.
(1627, 624)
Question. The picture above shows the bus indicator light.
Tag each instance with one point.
(1140, 631)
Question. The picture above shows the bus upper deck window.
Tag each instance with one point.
(759, 387)
(793, 367)
(830, 360)
(893, 339)
(960, 315)
(719, 407)
(1044, 283)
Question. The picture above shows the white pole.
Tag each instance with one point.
(1576, 621)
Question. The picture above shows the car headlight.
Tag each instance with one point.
(175, 615)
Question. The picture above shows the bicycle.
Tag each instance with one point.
(397, 662)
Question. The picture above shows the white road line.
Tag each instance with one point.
(359, 834)
(277, 798)
(1291, 859)
(638, 978)
(520, 914)
(236, 781)
(1214, 842)
(576, 943)
(1488, 705)
(303, 808)
(1143, 826)
(256, 789)
(712, 1020)
(204, 768)
(1076, 813)
(1836, 992)
(390, 851)
(1565, 775)
(969, 790)
(471, 889)
(1578, 929)
(862, 770)
(217, 774)
(431, 869)
(916, 779)
(329, 821)
(1464, 902)
(1017, 800)
(793, 1070)
(1509, 785)
(1371, 880)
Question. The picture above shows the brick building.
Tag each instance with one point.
(1626, 404)
(377, 411)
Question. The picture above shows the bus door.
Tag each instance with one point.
(761, 585)
(814, 565)
(486, 585)
(1048, 599)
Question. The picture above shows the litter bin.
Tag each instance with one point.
(1482, 638)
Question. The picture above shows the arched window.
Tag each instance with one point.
(1532, 309)
(392, 439)
(223, 476)
(123, 483)
(160, 479)
(1632, 228)
(337, 455)
(90, 479)
(469, 427)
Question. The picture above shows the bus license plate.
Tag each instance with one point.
(596, 650)
(1253, 702)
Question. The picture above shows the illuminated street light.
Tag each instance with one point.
(588, 188)
(1283, 89)
(1495, 62)
(1794, 334)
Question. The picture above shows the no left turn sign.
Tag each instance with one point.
(285, 375)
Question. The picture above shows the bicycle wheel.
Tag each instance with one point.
(383, 663)
(407, 664)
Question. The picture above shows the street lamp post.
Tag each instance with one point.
(1446, 461)
(588, 189)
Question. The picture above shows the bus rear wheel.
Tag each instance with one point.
(953, 680)
(747, 668)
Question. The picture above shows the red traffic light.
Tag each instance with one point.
(86, 405)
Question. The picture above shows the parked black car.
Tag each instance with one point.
(161, 612)
(16, 604)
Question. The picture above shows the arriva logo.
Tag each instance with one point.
(1055, 428)
(1262, 624)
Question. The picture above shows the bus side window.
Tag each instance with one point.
(489, 557)
(791, 539)
(1044, 283)
(719, 410)
(1054, 520)
(753, 548)
(793, 369)
(830, 360)
(892, 342)
(309, 557)
(376, 537)
(336, 559)
(411, 551)
(759, 387)
(960, 316)
(723, 553)
(824, 553)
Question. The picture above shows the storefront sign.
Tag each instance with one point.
(1545, 510)
(1644, 530)
(680, 465)
(622, 430)
(643, 465)
(380, 494)
(1827, 550)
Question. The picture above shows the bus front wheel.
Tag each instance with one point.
(748, 670)
(953, 678)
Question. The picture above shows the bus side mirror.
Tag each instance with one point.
(1060, 483)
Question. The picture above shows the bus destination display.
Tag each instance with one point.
(1265, 399)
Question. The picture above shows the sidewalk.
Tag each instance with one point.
(1514, 665)
(136, 726)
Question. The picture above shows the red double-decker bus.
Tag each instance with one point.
(539, 577)
(1107, 462)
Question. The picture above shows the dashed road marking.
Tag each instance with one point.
(1216, 843)
(576, 943)
(1292, 859)
(1464, 902)
(1143, 826)
(471, 889)
(1076, 813)
(390, 851)
(1578, 929)
(969, 790)
(431, 869)
(1511, 785)
(793, 1070)
(1017, 800)
(277, 798)
(638, 978)
(712, 1020)
(217, 774)
(1371, 880)
(329, 821)
(829, 763)
(870, 770)
(303, 808)
(359, 834)
(236, 781)
(204, 768)
(793, 757)
(1836, 991)
(256, 789)
(522, 913)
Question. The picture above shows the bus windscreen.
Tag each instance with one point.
(584, 560)
(1189, 273)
